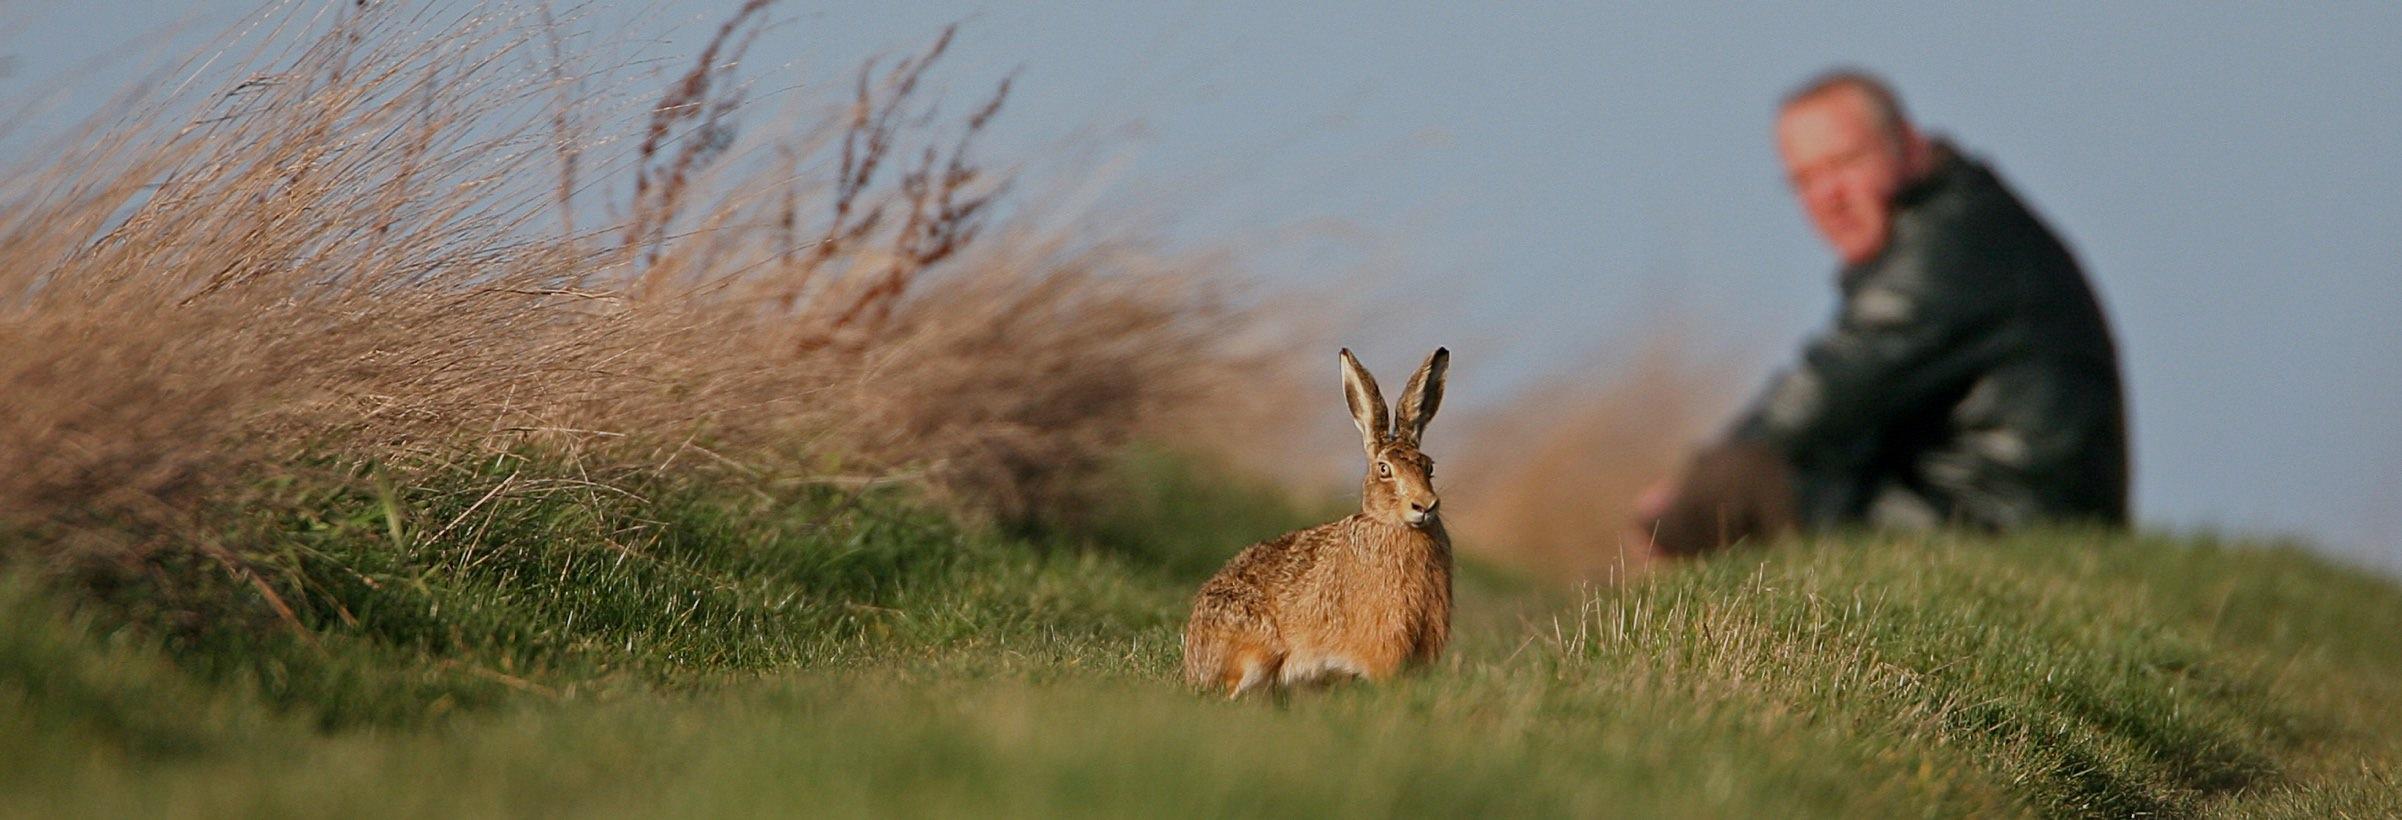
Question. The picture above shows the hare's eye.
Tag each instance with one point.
(1384, 469)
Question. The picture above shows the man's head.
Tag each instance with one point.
(1848, 149)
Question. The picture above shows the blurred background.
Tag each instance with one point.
(1584, 199)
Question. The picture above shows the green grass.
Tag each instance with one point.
(690, 651)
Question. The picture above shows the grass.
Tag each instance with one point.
(698, 651)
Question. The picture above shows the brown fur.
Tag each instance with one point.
(1366, 595)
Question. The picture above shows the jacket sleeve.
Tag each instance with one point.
(1913, 330)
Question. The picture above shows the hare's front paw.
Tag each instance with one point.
(1303, 669)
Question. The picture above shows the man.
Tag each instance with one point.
(1968, 380)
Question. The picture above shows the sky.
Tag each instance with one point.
(1556, 179)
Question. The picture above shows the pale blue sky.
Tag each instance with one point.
(1552, 175)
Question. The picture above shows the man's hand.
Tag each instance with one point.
(1655, 500)
(1650, 504)
(1729, 492)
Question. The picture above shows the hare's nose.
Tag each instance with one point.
(1427, 508)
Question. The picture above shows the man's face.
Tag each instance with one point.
(1844, 169)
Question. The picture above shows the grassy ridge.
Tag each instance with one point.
(690, 651)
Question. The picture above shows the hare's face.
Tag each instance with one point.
(1400, 487)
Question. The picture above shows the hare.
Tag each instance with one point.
(1360, 597)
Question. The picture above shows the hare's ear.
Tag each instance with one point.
(1367, 404)
(1421, 397)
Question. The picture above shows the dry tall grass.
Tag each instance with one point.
(1551, 478)
(365, 247)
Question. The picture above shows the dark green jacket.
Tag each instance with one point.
(1969, 377)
